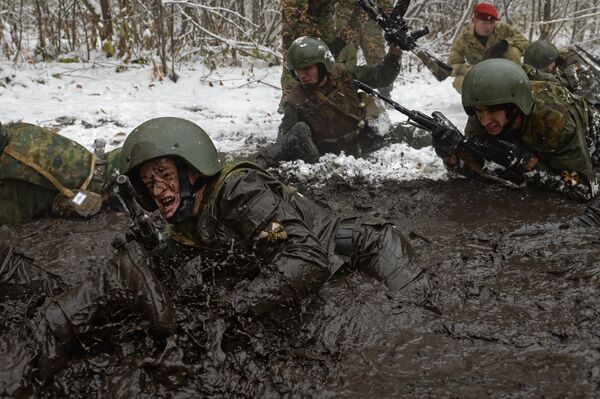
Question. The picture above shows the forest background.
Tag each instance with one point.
(167, 33)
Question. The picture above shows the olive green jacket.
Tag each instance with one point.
(467, 50)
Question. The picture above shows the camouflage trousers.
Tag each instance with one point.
(593, 136)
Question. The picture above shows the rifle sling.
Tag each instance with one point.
(38, 168)
(328, 101)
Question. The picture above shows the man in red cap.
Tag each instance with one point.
(486, 38)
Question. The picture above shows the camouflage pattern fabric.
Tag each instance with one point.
(24, 193)
(559, 132)
(356, 28)
(337, 110)
(572, 73)
(305, 18)
(467, 50)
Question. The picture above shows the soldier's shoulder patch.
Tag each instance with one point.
(274, 231)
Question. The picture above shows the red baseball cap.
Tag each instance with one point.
(485, 12)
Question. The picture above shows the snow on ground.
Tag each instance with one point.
(90, 101)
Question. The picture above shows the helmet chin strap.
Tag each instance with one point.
(512, 113)
(187, 195)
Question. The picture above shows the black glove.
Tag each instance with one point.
(507, 153)
(498, 49)
(336, 46)
(445, 141)
(404, 42)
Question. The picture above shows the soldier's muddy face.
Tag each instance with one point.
(483, 28)
(493, 119)
(308, 75)
(548, 68)
(161, 179)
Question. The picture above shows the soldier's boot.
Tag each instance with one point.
(19, 275)
(380, 250)
(125, 283)
(296, 144)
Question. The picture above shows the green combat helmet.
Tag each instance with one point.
(540, 54)
(306, 51)
(494, 82)
(169, 137)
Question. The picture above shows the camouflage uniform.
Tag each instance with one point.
(571, 72)
(305, 18)
(355, 27)
(357, 30)
(563, 131)
(467, 50)
(26, 194)
(334, 117)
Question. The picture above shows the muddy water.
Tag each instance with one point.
(508, 317)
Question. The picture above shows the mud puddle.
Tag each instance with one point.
(507, 317)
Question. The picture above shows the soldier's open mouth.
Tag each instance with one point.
(169, 205)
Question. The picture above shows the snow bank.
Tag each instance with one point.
(89, 101)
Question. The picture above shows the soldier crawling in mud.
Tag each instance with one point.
(543, 61)
(486, 38)
(324, 112)
(42, 173)
(549, 134)
(174, 167)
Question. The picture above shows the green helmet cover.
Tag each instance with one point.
(169, 137)
(540, 54)
(306, 51)
(3, 137)
(494, 82)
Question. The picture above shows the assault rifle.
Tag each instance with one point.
(141, 229)
(396, 31)
(503, 156)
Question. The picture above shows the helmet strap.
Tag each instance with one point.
(187, 195)
(512, 113)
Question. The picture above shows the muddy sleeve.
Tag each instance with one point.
(258, 208)
(379, 75)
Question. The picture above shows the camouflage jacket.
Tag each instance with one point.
(247, 207)
(467, 50)
(24, 192)
(337, 114)
(571, 72)
(556, 132)
(307, 18)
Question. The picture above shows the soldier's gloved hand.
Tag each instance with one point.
(405, 44)
(509, 154)
(498, 49)
(336, 46)
(445, 141)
